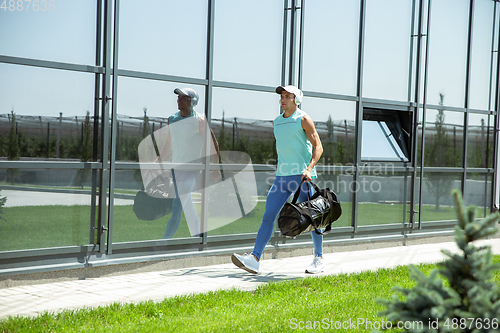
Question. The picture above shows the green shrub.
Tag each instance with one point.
(470, 302)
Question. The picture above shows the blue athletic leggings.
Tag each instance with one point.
(282, 187)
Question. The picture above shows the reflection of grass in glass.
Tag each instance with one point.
(52, 226)
(44, 226)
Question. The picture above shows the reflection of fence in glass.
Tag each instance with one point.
(40, 136)
(44, 136)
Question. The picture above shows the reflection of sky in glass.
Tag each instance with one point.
(66, 34)
(330, 46)
(169, 37)
(247, 41)
(157, 96)
(378, 144)
(447, 51)
(481, 59)
(320, 109)
(386, 56)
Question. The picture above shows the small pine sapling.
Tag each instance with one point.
(471, 302)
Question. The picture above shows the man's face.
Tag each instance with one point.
(183, 102)
(287, 100)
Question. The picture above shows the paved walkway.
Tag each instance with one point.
(34, 299)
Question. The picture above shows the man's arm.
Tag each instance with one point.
(312, 135)
(214, 147)
(166, 149)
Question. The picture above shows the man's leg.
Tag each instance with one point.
(175, 219)
(186, 180)
(317, 239)
(276, 198)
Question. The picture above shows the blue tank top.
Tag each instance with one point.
(292, 144)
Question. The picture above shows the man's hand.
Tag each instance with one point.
(306, 176)
(215, 175)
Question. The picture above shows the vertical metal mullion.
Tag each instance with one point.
(416, 114)
(410, 65)
(293, 23)
(359, 110)
(496, 161)
(114, 127)
(208, 115)
(301, 43)
(467, 92)
(424, 116)
(493, 195)
(492, 53)
(284, 48)
(97, 91)
(104, 179)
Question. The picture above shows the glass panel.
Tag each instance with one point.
(167, 37)
(143, 107)
(387, 49)
(481, 54)
(54, 115)
(480, 132)
(44, 208)
(447, 52)
(62, 31)
(331, 67)
(444, 138)
(334, 121)
(126, 225)
(243, 127)
(245, 50)
(383, 195)
(241, 213)
(229, 211)
(478, 192)
(340, 182)
(437, 202)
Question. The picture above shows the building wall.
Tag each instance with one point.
(59, 133)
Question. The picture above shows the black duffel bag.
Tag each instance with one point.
(319, 211)
(156, 201)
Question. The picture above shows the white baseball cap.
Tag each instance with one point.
(188, 92)
(291, 89)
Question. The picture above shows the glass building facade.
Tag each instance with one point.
(403, 94)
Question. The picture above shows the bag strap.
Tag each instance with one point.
(296, 195)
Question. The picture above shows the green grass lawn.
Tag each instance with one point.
(273, 307)
(52, 226)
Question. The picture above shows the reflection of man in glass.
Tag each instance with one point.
(299, 149)
(185, 142)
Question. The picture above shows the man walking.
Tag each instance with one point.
(299, 148)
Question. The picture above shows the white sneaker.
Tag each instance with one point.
(246, 262)
(316, 266)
